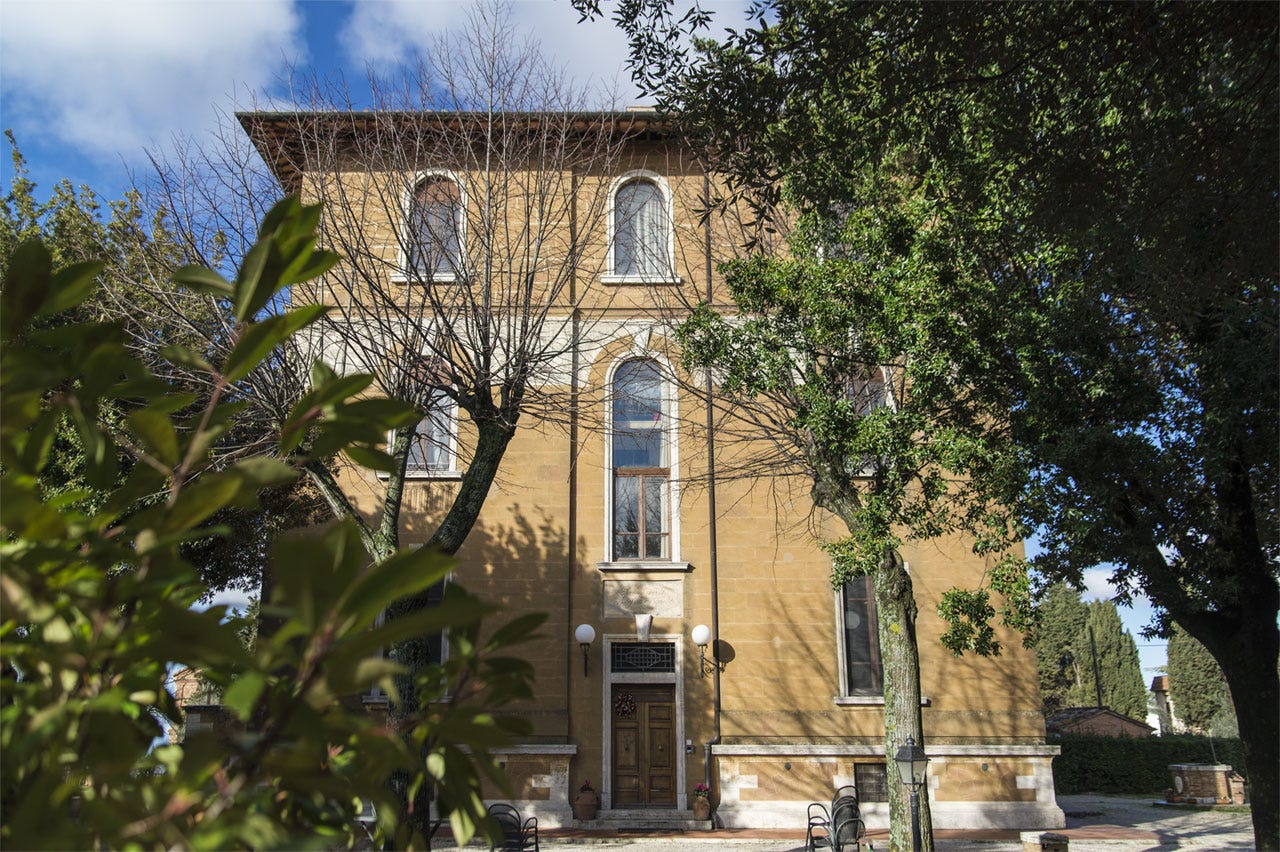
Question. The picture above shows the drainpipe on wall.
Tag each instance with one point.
(573, 455)
(711, 509)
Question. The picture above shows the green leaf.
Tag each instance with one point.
(242, 696)
(371, 459)
(25, 286)
(183, 356)
(155, 431)
(71, 286)
(204, 280)
(259, 339)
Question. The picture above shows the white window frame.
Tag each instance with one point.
(403, 273)
(670, 406)
(664, 189)
(450, 470)
(845, 696)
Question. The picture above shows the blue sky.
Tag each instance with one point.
(90, 87)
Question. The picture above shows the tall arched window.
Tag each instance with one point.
(641, 230)
(640, 444)
(434, 238)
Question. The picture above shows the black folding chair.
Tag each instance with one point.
(517, 835)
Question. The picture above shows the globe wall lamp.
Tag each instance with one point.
(585, 634)
(701, 636)
(912, 763)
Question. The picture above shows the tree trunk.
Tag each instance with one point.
(493, 436)
(1248, 659)
(896, 612)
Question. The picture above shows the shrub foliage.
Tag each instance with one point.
(1133, 766)
(96, 600)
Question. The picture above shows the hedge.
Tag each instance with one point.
(1090, 764)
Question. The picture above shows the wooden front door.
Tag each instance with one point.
(644, 745)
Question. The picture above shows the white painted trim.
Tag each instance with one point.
(641, 279)
(606, 711)
(451, 448)
(536, 748)
(855, 750)
(644, 567)
(671, 404)
(665, 189)
(402, 271)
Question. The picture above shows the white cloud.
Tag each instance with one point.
(111, 78)
(593, 53)
(1097, 584)
(386, 34)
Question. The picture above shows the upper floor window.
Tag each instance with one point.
(642, 234)
(869, 391)
(862, 671)
(435, 224)
(640, 444)
(432, 450)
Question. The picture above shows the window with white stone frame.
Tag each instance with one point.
(642, 239)
(861, 672)
(641, 463)
(433, 449)
(434, 225)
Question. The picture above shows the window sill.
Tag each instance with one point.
(405, 278)
(645, 567)
(421, 475)
(870, 701)
(641, 279)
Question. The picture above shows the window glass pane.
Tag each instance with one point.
(868, 392)
(639, 428)
(871, 781)
(434, 220)
(626, 504)
(626, 547)
(655, 504)
(862, 657)
(640, 230)
(430, 446)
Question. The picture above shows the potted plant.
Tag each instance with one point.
(701, 801)
(587, 802)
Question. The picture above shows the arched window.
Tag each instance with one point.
(433, 447)
(640, 444)
(862, 673)
(434, 238)
(641, 230)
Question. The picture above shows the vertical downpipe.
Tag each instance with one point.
(711, 510)
(572, 548)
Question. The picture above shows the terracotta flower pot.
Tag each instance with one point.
(701, 808)
(586, 805)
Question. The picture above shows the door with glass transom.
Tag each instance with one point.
(644, 745)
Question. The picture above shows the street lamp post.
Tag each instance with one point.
(912, 764)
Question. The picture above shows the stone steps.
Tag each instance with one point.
(643, 819)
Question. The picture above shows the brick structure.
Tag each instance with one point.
(800, 708)
(1096, 721)
(1205, 784)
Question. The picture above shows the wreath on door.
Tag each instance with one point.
(625, 705)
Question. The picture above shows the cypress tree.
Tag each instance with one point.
(1060, 617)
(1120, 674)
(1196, 685)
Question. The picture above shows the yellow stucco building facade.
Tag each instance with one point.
(613, 510)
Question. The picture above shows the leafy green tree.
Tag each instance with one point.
(138, 251)
(96, 598)
(1100, 180)
(1197, 688)
(1060, 618)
